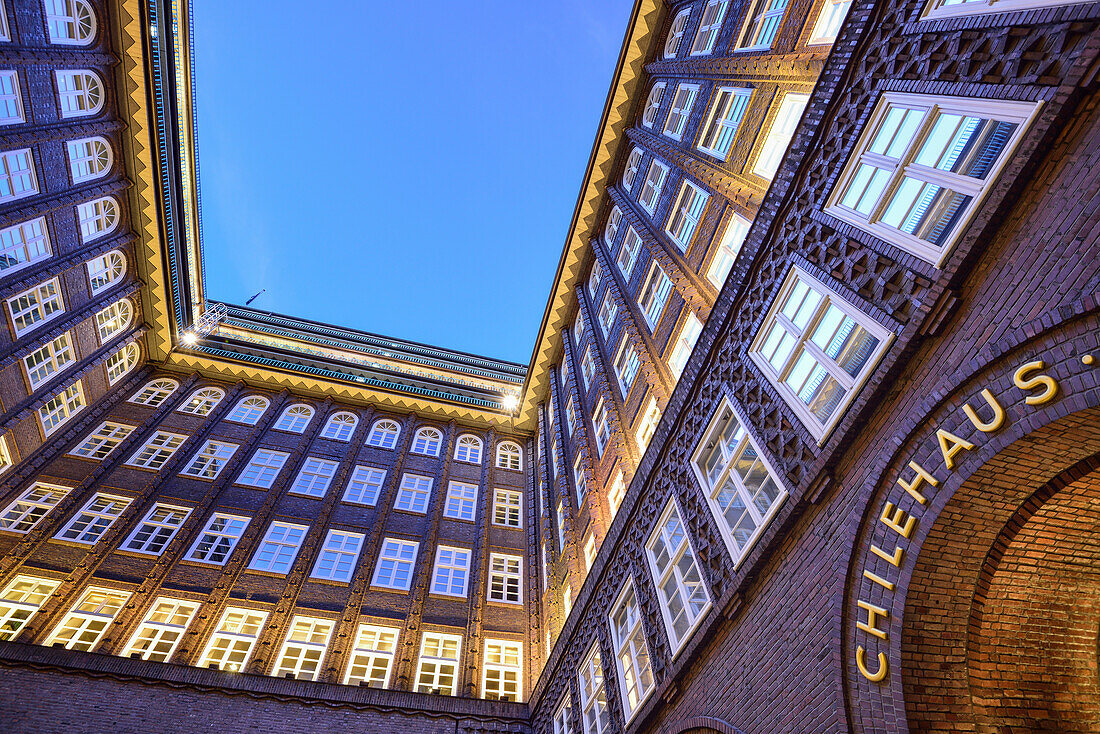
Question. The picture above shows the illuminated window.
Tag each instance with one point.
(780, 135)
(94, 519)
(154, 393)
(685, 343)
(578, 329)
(611, 229)
(509, 456)
(676, 33)
(626, 364)
(594, 278)
(36, 306)
(372, 658)
(156, 529)
(365, 485)
(631, 652)
(502, 671)
(923, 165)
(608, 311)
(111, 321)
(678, 114)
(279, 547)
(601, 425)
(589, 552)
(726, 113)
(218, 538)
(685, 214)
(81, 92)
(452, 571)
(340, 426)
(561, 528)
(817, 350)
(831, 19)
(461, 501)
(11, 105)
(762, 24)
(103, 440)
(653, 104)
(202, 401)
(617, 492)
(651, 189)
(563, 719)
(654, 295)
(89, 158)
(730, 245)
(86, 622)
(97, 218)
(60, 408)
(505, 578)
(648, 425)
(631, 171)
(588, 367)
(121, 362)
(338, 556)
(713, 14)
(30, 507)
(21, 600)
(395, 564)
(563, 373)
(231, 644)
(383, 434)
(161, 630)
(70, 22)
(303, 649)
(507, 508)
(248, 410)
(210, 460)
(955, 8)
(17, 178)
(570, 416)
(23, 244)
(437, 671)
(414, 493)
(596, 716)
(628, 252)
(468, 448)
(47, 361)
(681, 592)
(314, 477)
(295, 418)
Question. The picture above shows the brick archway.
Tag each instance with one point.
(1003, 608)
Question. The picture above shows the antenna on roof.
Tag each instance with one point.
(250, 300)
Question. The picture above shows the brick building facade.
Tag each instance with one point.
(860, 495)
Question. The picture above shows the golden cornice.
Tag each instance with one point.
(645, 21)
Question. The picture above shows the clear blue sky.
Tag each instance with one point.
(406, 168)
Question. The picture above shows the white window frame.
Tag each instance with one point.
(617, 493)
(202, 401)
(119, 364)
(384, 433)
(109, 434)
(21, 600)
(831, 19)
(499, 670)
(415, 493)
(263, 468)
(673, 572)
(18, 178)
(280, 547)
(655, 178)
(580, 479)
(94, 519)
(315, 477)
(632, 659)
(340, 426)
(80, 91)
(61, 407)
(684, 344)
(461, 501)
(780, 135)
(208, 462)
(89, 158)
(685, 214)
(653, 104)
(726, 113)
(588, 367)
(97, 218)
(601, 425)
(468, 448)
(654, 294)
(11, 102)
(82, 628)
(373, 653)
(595, 713)
(25, 244)
(163, 446)
(304, 648)
(609, 309)
(763, 22)
(938, 9)
(728, 247)
(32, 308)
(395, 551)
(157, 529)
(70, 22)
(220, 535)
(28, 509)
(647, 426)
(679, 113)
(295, 418)
(113, 320)
(626, 365)
(154, 392)
(505, 579)
(508, 508)
(249, 410)
(676, 33)
(339, 556)
(427, 441)
(234, 637)
(563, 716)
(509, 456)
(362, 479)
(710, 26)
(628, 253)
(426, 679)
(451, 569)
(49, 360)
(630, 171)
(161, 630)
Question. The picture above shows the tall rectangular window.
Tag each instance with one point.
(94, 519)
(263, 468)
(502, 676)
(31, 506)
(628, 252)
(654, 295)
(156, 529)
(231, 644)
(651, 189)
(11, 106)
(505, 578)
(684, 344)
(922, 166)
(46, 362)
(829, 21)
(210, 460)
(955, 8)
(563, 719)
(21, 600)
(338, 556)
(648, 425)
(725, 115)
(452, 571)
(580, 481)
(589, 552)
(608, 310)
(617, 492)
(314, 477)
(631, 652)
(714, 12)
(684, 218)
(461, 501)
(588, 367)
(653, 104)
(507, 508)
(594, 278)
(437, 671)
(414, 493)
(86, 622)
(595, 715)
(741, 487)
(728, 247)
(678, 114)
(157, 450)
(395, 564)
(35, 306)
(23, 244)
(103, 440)
(161, 630)
(303, 649)
(571, 416)
(762, 24)
(681, 592)
(17, 178)
(218, 538)
(365, 485)
(601, 426)
(372, 658)
(780, 135)
(279, 547)
(626, 364)
(817, 350)
(560, 514)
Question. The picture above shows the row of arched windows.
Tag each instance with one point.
(339, 427)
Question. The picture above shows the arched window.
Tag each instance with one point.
(509, 456)
(612, 228)
(383, 434)
(97, 217)
(105, 270)
(631, 171)
(427, 441)
(202, 401)
(80, 92)
(653, 104)
(121, 362)
(154, 393)
(70, 22)
(676, 32)
(340, 426)
(295, 418)
(114, 319)
(89, 158)
(248, 410)
(468, 448)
